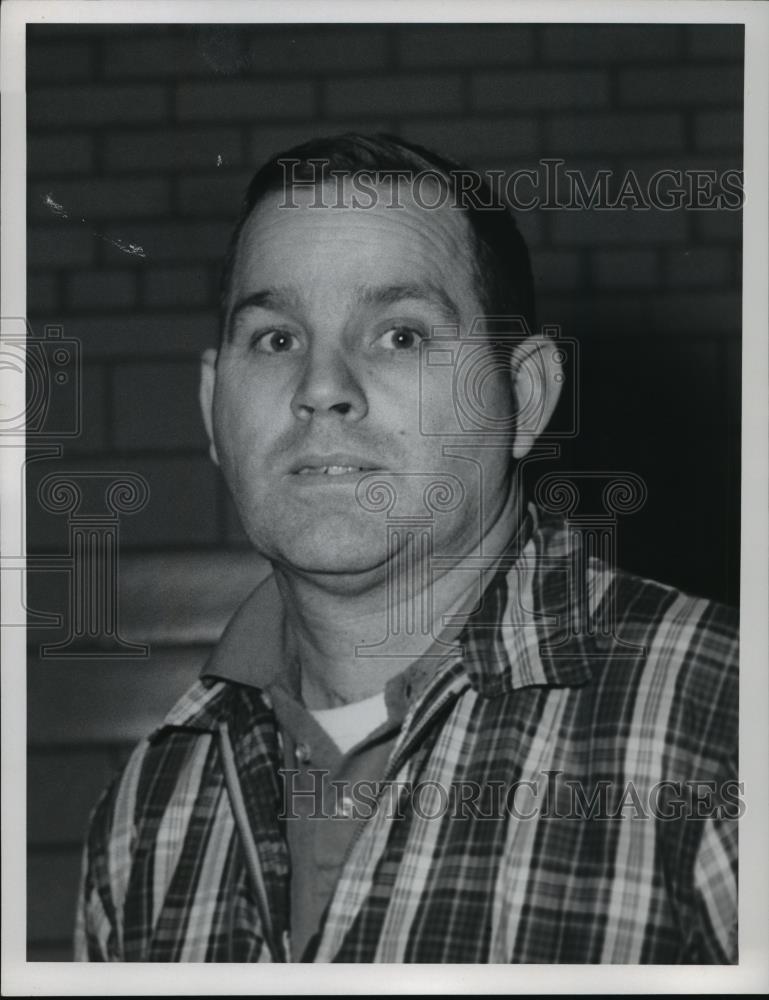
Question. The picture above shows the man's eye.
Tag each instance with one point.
(275, 342)
(400, 338)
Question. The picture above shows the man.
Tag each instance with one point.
(442, 730)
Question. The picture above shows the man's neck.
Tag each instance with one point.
(324, 628)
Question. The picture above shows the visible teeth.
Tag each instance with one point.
(329, 470)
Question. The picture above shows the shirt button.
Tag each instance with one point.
(302, 753)
(346, 807)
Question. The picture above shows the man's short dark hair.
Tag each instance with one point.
(502, 266)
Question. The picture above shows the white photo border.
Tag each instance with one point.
(20, 977)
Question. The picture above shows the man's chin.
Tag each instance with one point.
(354, 567)
(327, 549)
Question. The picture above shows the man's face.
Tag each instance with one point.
(318, 380)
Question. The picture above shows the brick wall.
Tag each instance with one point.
(150, 133)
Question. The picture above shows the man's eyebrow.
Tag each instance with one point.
(276, 299)
(283, 298)
(386, 295)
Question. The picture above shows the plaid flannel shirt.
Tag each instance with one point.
(609, 700)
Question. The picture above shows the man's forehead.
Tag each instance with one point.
(392, 203)
(330, 227)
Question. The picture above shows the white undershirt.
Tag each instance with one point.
(347, 725)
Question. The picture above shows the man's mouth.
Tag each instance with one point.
(331, 470)
(333, 464)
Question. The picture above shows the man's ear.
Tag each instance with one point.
(537, 375)
(207, 385)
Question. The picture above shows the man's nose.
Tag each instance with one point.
(328, 385)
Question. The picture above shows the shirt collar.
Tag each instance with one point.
(251, 652)
(524, 633)
(528, 630)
